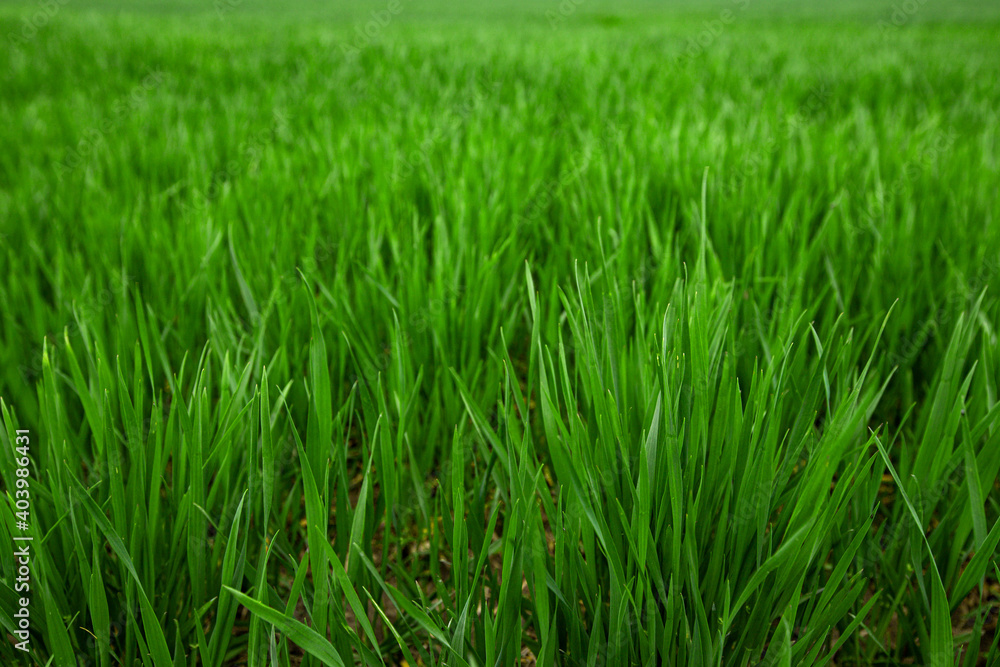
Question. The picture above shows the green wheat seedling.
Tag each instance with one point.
(496, 344)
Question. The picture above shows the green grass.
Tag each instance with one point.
(595, 341)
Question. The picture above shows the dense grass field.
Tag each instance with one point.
(579, 333)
